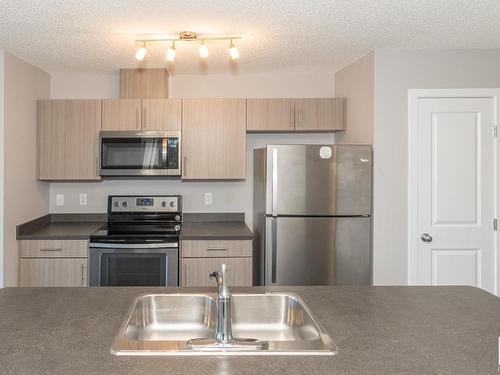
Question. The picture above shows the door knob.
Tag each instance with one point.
(426, 237)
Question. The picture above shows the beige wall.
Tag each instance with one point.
(230, 196)
(276, 84)
(24, 197)
(355, 82)
(72, 85)
(397, 71)
(2, 118)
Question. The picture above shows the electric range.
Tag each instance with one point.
(139, 245)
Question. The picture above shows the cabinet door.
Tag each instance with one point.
(53, 272)
(270, 115)
(68, 133)
(214, 138)
(161, 114)
(195, 271)
(324, 114)
(121, 114)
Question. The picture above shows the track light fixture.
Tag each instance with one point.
(171, 52)
(233, 51)
(187, 36)
(141, 52)
(203, 50)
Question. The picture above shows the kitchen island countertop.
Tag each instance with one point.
(379, 330)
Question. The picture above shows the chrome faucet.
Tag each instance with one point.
(223, 332)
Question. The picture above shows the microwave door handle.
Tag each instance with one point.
(166, 270)
(164, 152)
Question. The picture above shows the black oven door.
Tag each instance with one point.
(133, 267)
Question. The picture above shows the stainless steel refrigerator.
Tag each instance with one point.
(312, 215)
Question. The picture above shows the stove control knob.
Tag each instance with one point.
(177, 217)
(163, 204)
(116, 204)
(172, 204)
(124, 204)
(177, 227)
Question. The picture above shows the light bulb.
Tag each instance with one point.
(171, 53)
(233, 51)
(203, 50)
(141, 53)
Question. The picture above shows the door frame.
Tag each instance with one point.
(413, 98)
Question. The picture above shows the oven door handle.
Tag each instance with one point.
(169, 245)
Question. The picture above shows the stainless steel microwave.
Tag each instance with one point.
(132, 153)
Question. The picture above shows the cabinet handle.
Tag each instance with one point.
(291, 117)
(51, 249)
(300, 118)
(183, 167)
(97, 166)
(184, 273)
(144, 117)
(138, 118)
(217, 249)
(82, 274)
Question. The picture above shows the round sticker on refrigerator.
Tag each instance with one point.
(325, 152)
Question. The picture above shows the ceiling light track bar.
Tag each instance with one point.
(199, 38)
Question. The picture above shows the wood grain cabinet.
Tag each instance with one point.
(270, 115)
(199, 258)
(53, 263)
(214, 138)
(323, 114)
(121, 114)
(295, 115)
(67, 132)
(161, 114)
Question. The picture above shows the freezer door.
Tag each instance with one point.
(317, 251)
(318, 180)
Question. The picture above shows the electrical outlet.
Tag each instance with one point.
(83, 199)
(208, 198)
(59, 199)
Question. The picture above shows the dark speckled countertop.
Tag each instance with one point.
(61, 226)
(214, 226)
(379, 330)
(225, 230)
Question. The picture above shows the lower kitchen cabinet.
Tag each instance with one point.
(53, 272)
(53, 263)
(195, 271)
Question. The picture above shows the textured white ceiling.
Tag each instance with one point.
(98, 35)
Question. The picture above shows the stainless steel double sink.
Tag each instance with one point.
(162, 324)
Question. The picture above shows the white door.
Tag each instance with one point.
(454, 237)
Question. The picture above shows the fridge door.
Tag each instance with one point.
(318, 251)
(318, 180)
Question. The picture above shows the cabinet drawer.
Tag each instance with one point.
(195, 271)
(216, 248)
(54, 248)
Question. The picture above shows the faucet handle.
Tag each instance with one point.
(214, 276)
(219, 275)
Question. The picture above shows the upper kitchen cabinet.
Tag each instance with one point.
(214, 142)
(143, 84)
(270, 115)
(161, 114)
(121, 114)
(67, 139)
(319, 114)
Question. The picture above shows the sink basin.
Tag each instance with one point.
(161, 324)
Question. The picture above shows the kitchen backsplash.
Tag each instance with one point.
(227, 196)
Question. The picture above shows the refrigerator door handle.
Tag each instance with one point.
(274, 250)
(274, 192)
